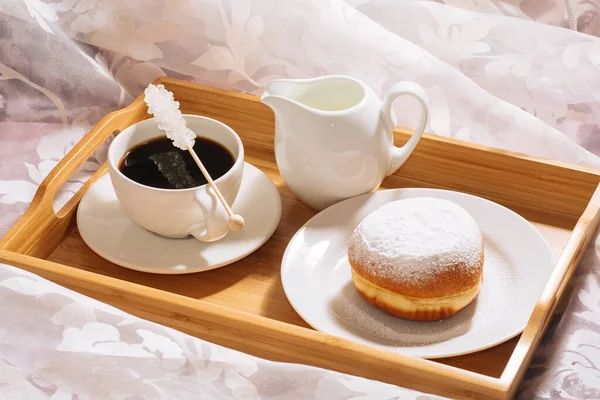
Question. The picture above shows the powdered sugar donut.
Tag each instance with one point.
(419, 258)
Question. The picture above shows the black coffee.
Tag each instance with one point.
(157, 163)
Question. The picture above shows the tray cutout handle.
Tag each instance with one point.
(40, 229)
(569, 260)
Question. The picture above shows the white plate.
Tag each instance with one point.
(316, 278)
(108, 232)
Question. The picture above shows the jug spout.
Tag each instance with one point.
(280, 95)
(282, 88)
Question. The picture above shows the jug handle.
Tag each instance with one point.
(401, 154)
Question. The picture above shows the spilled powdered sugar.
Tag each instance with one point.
(408, 240)
(499, 279)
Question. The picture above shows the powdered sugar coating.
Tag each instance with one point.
(415, 239)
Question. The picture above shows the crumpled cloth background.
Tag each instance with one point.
(522, 75)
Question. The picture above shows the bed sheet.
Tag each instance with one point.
(522, 75)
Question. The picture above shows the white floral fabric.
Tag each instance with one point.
(522, 75)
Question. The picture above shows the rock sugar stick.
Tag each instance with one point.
(164, 108)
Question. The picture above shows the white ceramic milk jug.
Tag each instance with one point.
(333, 135)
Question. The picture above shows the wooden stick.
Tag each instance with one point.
(234, 221)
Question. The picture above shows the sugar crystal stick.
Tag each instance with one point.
(164, 108)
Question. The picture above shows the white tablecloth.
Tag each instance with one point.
(512, 74)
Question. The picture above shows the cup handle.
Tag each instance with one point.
(401, 154)
(215, 217)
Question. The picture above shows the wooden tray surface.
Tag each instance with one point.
(552, 195)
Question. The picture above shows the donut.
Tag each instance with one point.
(419, 259)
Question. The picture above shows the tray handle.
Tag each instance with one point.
(40, 229)
(569, 260)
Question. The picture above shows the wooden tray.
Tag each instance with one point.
(243, 306)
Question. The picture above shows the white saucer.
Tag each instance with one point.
(108, 232)
(316, 278)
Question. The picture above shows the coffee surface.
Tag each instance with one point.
(157, 163)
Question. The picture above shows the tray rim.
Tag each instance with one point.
(15, 250)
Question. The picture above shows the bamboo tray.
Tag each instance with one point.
(243, 306)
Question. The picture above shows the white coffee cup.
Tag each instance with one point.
(177, 213)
